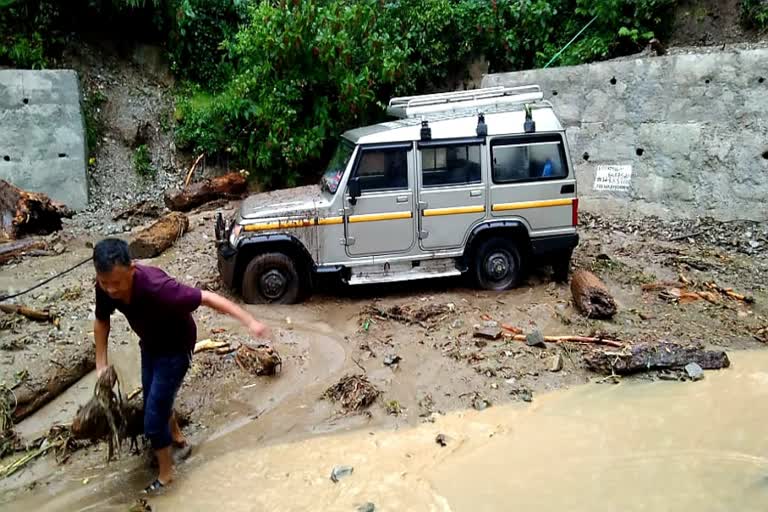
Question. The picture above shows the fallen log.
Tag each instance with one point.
(13, 250)
(28, 213)
(32, 314)
(229, 186)
(643, 357)
(158, 237)
(591, 296)
(32, 394)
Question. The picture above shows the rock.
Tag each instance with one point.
(457, 324)
(488, 333)
(480, 404)
(340, 472)
(490, 323)
(367, 507)
(694, 371)
(58, 248)
(392, 360)
(441, 440)
(557, 363)
(535, 339)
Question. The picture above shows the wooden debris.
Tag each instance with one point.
(192, 169)
(154, 240)
(32, 314)
(258, 360)
(35, 393)
(591, 296)
(12, 250)
(353, 392)
(28, 213)
(231, 186)
(728, 292)
(409, 314)
(204, 345)
(512, 329)
(592, 340)
(141, 209)
(649, 356)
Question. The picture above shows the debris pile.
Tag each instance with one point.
(353, 392)
(425, 315)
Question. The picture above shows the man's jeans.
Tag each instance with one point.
(161, 377)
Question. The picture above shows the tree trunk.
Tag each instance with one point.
(12, 250)
(28, 213)
(591, 296)
(32, 395)
(650, 356)
(158, 237)
(231, 185)
(32, 314)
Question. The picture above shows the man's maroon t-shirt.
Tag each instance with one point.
(160, 311)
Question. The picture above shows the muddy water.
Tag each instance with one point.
(635, 446)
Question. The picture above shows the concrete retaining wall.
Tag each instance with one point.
(42, 136)
(693, 127)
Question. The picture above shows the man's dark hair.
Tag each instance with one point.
(110, 252)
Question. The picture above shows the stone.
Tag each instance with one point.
(694, 371)
(535, 339)
(340, 472)
(556, 364)
(441, 440)
(457, 324)
(488, 333)
(367, 507)
(392, 360)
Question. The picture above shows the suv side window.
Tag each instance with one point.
(528, 161)
(383, 169)
(450, 165)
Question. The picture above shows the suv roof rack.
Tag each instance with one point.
(412, 106)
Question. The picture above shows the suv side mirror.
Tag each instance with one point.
(354, 190)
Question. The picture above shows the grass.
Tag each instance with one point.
(142, 162)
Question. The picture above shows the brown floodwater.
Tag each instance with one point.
(636, 446)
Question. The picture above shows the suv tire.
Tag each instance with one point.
(271, 278)
(497, 265)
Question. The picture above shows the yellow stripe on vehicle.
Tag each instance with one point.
(330, 221)
(281, 224)
(435, 212)
(373, 217)
(502, 207)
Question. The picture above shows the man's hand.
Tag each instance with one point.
(258, 329)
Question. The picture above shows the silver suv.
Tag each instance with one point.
(477, 182)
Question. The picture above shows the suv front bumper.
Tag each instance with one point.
(226, 254)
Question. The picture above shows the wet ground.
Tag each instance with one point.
(443, 368)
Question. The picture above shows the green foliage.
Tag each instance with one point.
(142, 162)
(754, 13)
(200, 29)
(94, 123)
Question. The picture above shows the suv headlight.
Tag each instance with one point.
(235, 234)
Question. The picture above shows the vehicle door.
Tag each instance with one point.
(381, 221)
(531, 179)
(452, 195)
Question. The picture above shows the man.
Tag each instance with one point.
(159, 310)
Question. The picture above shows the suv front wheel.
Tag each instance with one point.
(271, 278)
(497, 265)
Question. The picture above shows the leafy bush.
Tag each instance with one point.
(754, 13)
(200, 28)
(142, 162)
(302, 71)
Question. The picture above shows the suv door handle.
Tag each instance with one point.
(568, 189)
(402, 199)
(475, 193)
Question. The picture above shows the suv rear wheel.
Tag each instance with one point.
(497, 264)
(271, 278)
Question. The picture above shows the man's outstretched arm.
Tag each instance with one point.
(100, 335)
(227, 307)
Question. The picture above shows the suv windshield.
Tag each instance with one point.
(335, 170)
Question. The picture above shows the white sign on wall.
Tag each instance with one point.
(615, 178)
